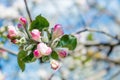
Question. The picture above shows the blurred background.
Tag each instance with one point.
(74, 15)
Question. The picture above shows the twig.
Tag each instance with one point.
(51, 76)
(28, 12)
(80, 31)
(60, 70)
(10, 51)
(117, 62)
(104, 58)
(110, 50)
(98, 31)
(107, 44)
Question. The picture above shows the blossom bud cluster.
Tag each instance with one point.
(13, 33)
(44, 50)
(42, 45)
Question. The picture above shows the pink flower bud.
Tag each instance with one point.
(62, 53)
(23, 20)
(44, 49)
(57, 31)
(35, 34)
(19, 26)
(54, 65)
(37, 54)
(11, 32)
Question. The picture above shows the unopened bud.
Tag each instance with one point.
(19, 26)
(62, 53)
(11, 32)
(37, 54)
(57, 31)
(35, 34)
(23, 20)
(54, 64)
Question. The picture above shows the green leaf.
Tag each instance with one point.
(90, 37)
(21, 65)
(20, 56)
(39, 23)
(68, 41)
(45, 58)
(54, 55)
(29, 58)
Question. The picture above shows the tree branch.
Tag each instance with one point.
(99, 31)
(10, 51)
(117, 62)
(50, 78)
(110, 50)
(28, 12)
(89, 44)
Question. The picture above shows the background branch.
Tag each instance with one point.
(117, 62)
(8, 50)
(107, 44)
(98, 31)
(110, 50)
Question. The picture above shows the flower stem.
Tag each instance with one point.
(28, 12)
(26, 30)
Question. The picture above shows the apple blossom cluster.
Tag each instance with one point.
(37, 41)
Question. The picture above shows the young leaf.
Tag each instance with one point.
(45, 58)
(54, 55)
(20, 56)
(39, 23)
(90, 37)
(68, 41)
(30, 58)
